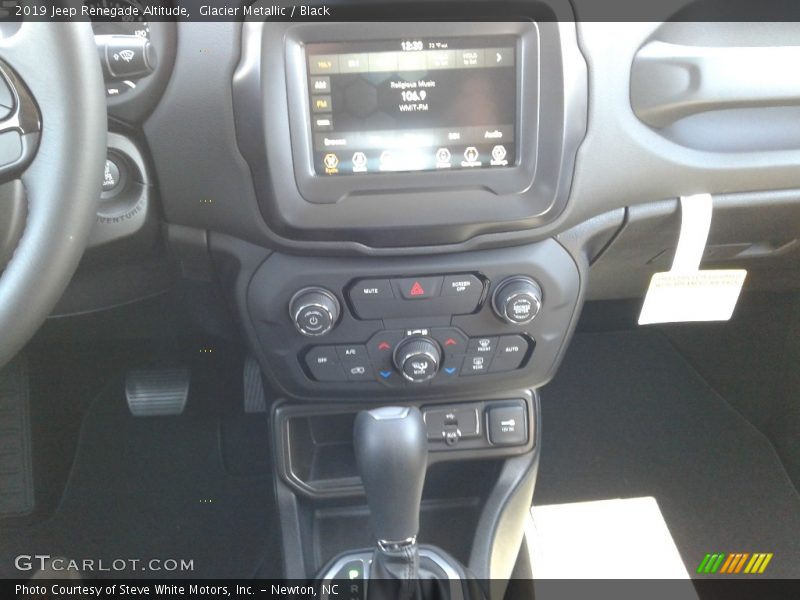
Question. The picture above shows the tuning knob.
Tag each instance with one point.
(314, 311)
(517, 300)
(417, 358)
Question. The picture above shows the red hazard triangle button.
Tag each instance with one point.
(414, 288)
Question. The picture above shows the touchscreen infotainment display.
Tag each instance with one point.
(418, 104)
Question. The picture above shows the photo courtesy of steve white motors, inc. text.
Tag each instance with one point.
(116, 589)
(171, 589)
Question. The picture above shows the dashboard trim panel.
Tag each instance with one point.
(417, 216)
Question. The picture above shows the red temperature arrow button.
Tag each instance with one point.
(379, 348)
(452, 340)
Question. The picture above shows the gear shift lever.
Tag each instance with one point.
(392, 453)
(391, 446)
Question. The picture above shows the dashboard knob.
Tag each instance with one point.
(417, 358)
(517, 300)
(314, 311)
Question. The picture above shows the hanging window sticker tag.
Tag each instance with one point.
(685, 293)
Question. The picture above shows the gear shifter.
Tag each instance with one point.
(392, 454)
(391, 446)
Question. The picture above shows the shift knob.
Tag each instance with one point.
(392, 454)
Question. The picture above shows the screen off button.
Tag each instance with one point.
(462, 285)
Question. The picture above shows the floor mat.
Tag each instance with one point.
(16, 480)
(155, 488)
(627, 417)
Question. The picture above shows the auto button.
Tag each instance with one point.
(511, 350)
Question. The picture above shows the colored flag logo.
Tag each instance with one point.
(734, 563)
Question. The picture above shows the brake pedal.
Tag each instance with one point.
(16, 460)
(157, 392)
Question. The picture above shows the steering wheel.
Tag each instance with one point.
(53, 130)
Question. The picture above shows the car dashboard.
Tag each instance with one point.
(417, 210)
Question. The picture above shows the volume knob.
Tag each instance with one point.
(314, 311)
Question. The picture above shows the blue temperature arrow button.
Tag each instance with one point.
(449, 370)
(385, 374)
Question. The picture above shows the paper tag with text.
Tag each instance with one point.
(676, 296)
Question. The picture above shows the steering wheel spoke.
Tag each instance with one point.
(20, 124)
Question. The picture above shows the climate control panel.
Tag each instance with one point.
(348, 327)
(401, 357)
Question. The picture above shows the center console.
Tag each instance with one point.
(403, 173)
(341, 328)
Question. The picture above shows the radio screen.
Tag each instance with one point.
(412, 105)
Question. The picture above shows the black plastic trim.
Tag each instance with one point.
(389, 222)
(283, 412)
(501, 526)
